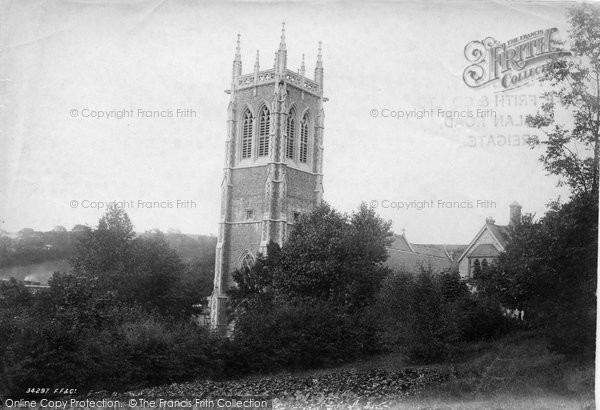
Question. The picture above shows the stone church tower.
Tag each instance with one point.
(273, 163)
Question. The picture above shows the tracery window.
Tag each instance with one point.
(263, 132)
(304, 138)
(247, 134)
(291, 131)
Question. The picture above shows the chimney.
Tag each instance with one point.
(490, 220)
(515, 214)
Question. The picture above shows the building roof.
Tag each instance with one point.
(438, 252)
(412, 262)
(412, 257)
(400, 243)
(484, 250)
(453, 251)
(499, 232)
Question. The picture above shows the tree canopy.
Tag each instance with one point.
(571, 151)
(329, 257)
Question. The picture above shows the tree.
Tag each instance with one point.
(329, 257)
(501, 279)
(426, 314)
(334, 258)
(573, 152)
(79, 228)
(26, 233)
(548, 270)
(143, 270)
(105, 253)
(415, 315)
(305, 303)
(155, 276)
(254, 290)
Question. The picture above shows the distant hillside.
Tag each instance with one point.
(193, 247)
(36, 255)
(29, 247)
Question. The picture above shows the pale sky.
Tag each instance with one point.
(58, 57)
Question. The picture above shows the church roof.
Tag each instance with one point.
(485, 250)
(429, 250)
(453, 251)
(412, 262)
(412, 257)
(400, 243)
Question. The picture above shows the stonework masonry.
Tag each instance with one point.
(273, 164)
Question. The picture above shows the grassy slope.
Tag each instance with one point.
(517, 372)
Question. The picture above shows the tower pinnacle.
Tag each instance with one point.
(281, 55)
(319, 67)
(257, 63)
(320, 56)
(302, 67)
(238, 56)
(282, 43)
(237, 61)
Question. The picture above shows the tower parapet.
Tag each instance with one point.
(269, 77)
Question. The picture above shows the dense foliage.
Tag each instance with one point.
(549, 271)
(121, 318)
(35, 247)
(550, 267)
(572, 151)
(305, 304)
(428, 315)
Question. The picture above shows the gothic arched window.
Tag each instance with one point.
(246, 260)
(291, 133)
(263, 132)
(304, 139)
(484, 264)
(247, 134)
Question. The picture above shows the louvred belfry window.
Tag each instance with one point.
(247, 135)
(263, 134)
(304, 139)
(291, 131)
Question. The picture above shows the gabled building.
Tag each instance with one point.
(488, 243)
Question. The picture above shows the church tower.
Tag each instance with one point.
(273, 163)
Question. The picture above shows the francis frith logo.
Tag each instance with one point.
(512, 63)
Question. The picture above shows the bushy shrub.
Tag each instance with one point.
(132, 349)
(298, 336)
(305, 304)
(426, 315)
(120, 320)
(549, 271)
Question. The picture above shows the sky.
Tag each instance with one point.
(65, 61)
